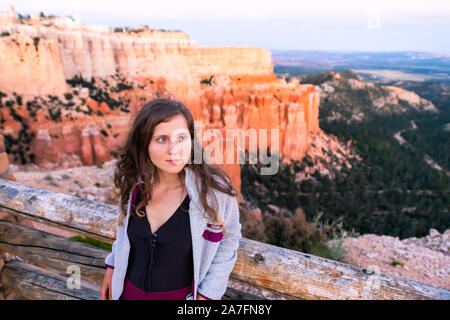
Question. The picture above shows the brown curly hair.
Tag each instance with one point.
(134, 161)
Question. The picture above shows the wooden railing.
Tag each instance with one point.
(46, 263)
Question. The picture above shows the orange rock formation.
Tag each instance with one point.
(243, 93)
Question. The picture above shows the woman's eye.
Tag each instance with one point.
(163, 139)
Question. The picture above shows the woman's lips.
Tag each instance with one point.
(173, 161)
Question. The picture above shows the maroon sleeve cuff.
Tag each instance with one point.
(203, 296)
(108, 266)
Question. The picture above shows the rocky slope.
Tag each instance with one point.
(425, 260)
(345, 96)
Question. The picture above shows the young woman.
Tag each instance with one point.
(178, 226)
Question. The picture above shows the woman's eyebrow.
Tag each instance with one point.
(166, 135)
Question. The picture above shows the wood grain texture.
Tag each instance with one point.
(39, 284)
(288, 273)
(47, 258)
(85, 217)
(298, 275)
(53, 252)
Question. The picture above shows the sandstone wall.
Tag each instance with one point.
(63, 53)
(38, 56)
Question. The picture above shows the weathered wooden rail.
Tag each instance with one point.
(47, 262)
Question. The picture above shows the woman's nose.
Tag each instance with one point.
(174, 147)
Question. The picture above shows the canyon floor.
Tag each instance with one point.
(425, 260)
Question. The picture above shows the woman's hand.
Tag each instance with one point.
(106, 285)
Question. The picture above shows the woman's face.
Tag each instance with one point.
(171, 140)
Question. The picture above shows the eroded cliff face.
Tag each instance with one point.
(76, 88)
(52, 50)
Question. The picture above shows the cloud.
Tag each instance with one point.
(325, 24)
(253, 10)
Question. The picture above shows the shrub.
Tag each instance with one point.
(207, 81)
(19, 100)
(252, 228)
(335, 252)
(295, 232)
(36, 42)
(396, 262)
(53, 183)
(78, 183)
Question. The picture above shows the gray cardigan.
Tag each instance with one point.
(214, 254)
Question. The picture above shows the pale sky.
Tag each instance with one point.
(342, 25)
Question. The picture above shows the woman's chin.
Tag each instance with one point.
(172, 168)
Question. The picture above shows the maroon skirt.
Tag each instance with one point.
(131, 292)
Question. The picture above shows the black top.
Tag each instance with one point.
(160, 261)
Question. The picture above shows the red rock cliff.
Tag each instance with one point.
(38, 56)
